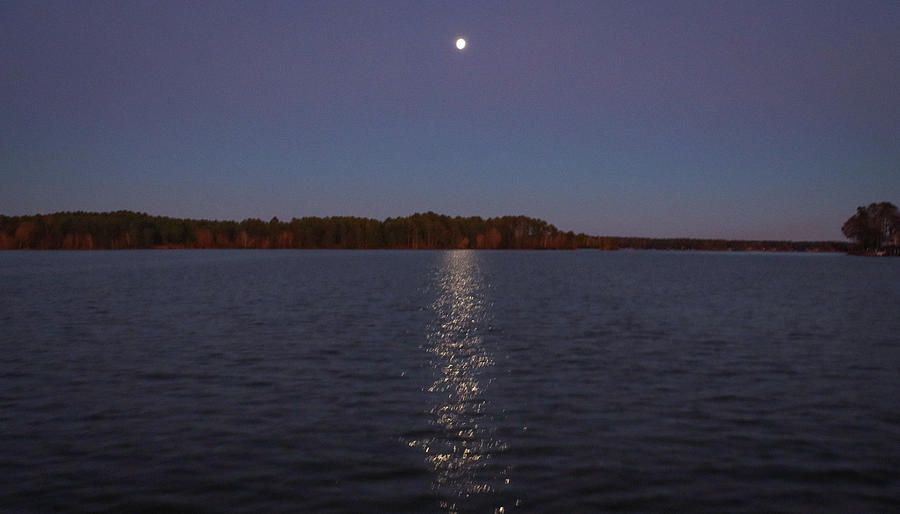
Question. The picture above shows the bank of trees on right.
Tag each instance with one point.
(874, 228)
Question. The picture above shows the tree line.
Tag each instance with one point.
(135, 230)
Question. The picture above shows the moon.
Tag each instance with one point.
(460, 43)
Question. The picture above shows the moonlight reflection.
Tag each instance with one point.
(463, 440)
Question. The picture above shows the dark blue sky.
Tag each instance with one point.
(704, 119)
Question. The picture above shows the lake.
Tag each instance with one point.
(448, 381)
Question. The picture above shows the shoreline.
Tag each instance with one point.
(128, 230)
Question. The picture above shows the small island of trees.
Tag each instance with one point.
(875, 229)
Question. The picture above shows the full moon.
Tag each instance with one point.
(460, 43)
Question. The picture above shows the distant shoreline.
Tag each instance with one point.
(127, 230)
(406, 249)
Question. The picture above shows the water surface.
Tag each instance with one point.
(457, 381)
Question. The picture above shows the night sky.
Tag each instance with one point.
(699, 119)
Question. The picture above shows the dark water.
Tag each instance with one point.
(309, 381)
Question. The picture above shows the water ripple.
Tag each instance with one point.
(464, 438)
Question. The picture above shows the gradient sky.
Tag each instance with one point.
(704, 119)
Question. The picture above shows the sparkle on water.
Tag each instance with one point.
(457, 457)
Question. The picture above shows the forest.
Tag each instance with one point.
(135, 230)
